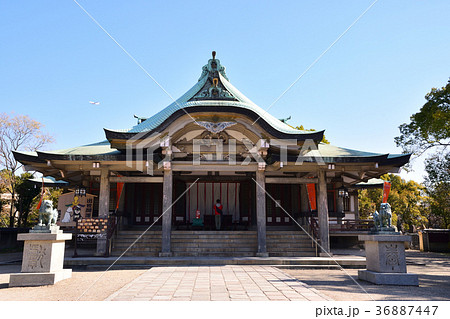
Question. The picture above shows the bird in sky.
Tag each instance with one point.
(95, 103)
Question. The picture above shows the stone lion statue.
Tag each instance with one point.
(385, 215)
(382, 220)
(47, 215)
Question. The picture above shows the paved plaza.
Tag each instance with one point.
(217, 283)
(232, 282)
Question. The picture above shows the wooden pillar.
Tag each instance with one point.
(339, 208)
(103, 206)
(323, 212)
(304, 202)
(103, 203)
(356, 201)
(167, 211)
(261, 213)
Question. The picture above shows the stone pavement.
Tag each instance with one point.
(217, 283)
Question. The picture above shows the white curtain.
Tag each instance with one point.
(203, 196)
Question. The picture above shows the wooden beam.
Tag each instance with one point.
(205, 167)
(290, 180)
(136, 179)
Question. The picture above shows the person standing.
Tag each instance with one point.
(218, 214)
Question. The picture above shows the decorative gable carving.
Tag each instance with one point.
(215, 127)
(213, 88)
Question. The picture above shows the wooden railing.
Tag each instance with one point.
(353, 225)
(314, 231)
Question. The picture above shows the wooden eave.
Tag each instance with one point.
(114, 136)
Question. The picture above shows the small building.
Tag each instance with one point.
(215, 143)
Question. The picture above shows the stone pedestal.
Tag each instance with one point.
(43, 259)
(101, 246)
(386, 261)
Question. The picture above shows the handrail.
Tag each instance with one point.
(110, 232)
(314, 231)
(75, 253)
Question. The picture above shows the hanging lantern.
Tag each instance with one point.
(80, 191)
(342, 191)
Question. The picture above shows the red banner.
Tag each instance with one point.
(386, 190)
(42, 194)
(119, 193)
(311, 189)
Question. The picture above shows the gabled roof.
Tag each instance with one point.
(334, 154)
(48, 181)
(214, 93)
(371, 183)
(99, 148)
(96, 151)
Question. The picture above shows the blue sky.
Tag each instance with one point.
(54, 59)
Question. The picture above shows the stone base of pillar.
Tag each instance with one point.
(322, 254)
(264, 255)
(386, 261)
(166, 254)
(38, 278)
(43, 259)
(383, 278)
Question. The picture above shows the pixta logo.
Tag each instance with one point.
(140, 151)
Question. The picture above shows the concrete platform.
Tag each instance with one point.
(397, 279)
(307, 262)
(38, 278)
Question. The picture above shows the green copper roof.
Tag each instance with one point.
(200, 95)
(48, 181)
(100, 148)
(371, 183)
(327, 150)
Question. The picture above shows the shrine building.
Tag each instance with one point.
(273, 181)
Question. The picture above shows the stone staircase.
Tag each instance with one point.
(214, 244)
(289, 243)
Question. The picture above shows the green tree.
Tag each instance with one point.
(17, 133)
(3, 218)
(369, 201)
(26, 192)
(430, 129)
(408, 201)
(438, 188)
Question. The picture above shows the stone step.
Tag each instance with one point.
(214, 254)
(237, 241)
(299, 244)
(215, 235)
(302, 254)
(214, 243)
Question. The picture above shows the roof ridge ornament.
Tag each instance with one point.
(213, 89)
(213, 68)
